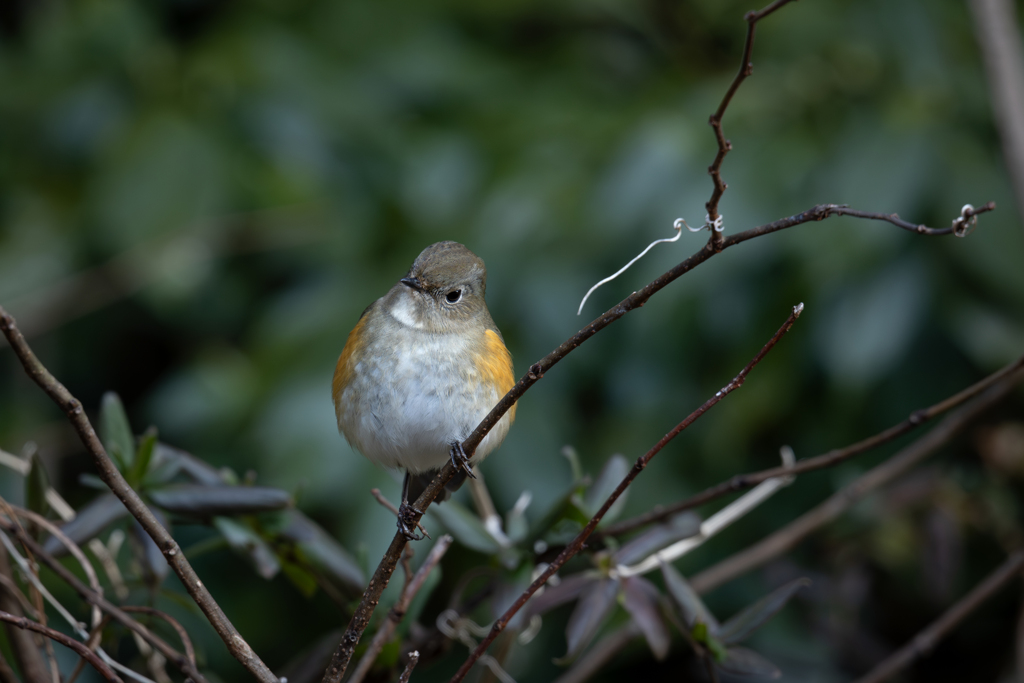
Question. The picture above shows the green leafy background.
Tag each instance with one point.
(199, 197)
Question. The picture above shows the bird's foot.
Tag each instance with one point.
(408, 521)
(460, 461)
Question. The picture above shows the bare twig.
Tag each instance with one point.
(787, 537)
(414, 658)
(80, 648)
(391, 506)
(94, 598)
(120, 488)
(926, 640)
(95, 637)
(577, 543)
(724, 146)
(833, 457)
(599, 655)
(26, 654)
(186, 642)
(382, 575)
(397, 612)
(995, 23)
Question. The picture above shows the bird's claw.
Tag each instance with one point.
(460, 460)
(408, 520)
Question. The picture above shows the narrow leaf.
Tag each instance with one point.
(641, 601)
(250, 545)
(612, 474)
(740, 660)
(675, 529)
(90, 521)
(36, 484)
(591, 611)
(143, 457)
(197, 470)
(754, 616)
(316, 547)
(465, 527)
(567, 590)
(691, 607)
(198, 500)
(116, 432)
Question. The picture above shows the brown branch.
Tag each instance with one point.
(926, 640)
(784, 539)
(397, 613)
(744, 481)
(186, 642)
(80, 648)
(95, 598)
(382, 575)
(600, 654)
(112, 477)
(26, 653)
(414, 657)
(577, 543)
(995, 23)
(391, 506)
(724, 146)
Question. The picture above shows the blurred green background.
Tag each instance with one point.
(199, 197)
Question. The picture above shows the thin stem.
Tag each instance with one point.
(66, 641)
(382, 575)
(397, 613)
(120, 488)
(784, 539)
(577, 543)
(833, 457)
(925, 641)
(414, 657)
(186, 642)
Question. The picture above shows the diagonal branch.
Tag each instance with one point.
(67, 641)
(577, 543)
(833, 457)
(785, 538)
(926, 640)
(379, 581)
(113, 478)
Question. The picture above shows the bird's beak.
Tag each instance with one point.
(413, 282)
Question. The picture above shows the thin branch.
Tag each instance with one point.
(724, 146)
(112, 477)
(926, 640)
(599, 655)
(26, 654)
(995, 23)
(186, 642)
(577, 543)
(66, 641)
(784, 539)
(94, 598)
(397, 613)
(391, 506)
(382, 575)
(414, 657)
(830, 459)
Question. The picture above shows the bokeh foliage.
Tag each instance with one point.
(198, 198)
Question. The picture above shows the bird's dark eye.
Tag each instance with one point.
(453, 296)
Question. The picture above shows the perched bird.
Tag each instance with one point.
(421, 369)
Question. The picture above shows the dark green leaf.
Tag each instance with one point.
(321, 551)
(612, 474)
(116, 432)
(300, 577)
(465, 527)
(249, 545)
(641, 601)
(143, 456)
(37, 483)
(198, 500)
(744, 662)
(594, 607)
(753, 617)
(175, 460)
(690, 606)
(90, 521)
(675, 529)
(702, 635)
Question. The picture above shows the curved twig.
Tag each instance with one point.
(186, 642)
(80, 648)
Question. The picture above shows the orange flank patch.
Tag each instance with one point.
(495, 365)
(347, 362)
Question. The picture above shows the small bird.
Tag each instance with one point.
(421, 369)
